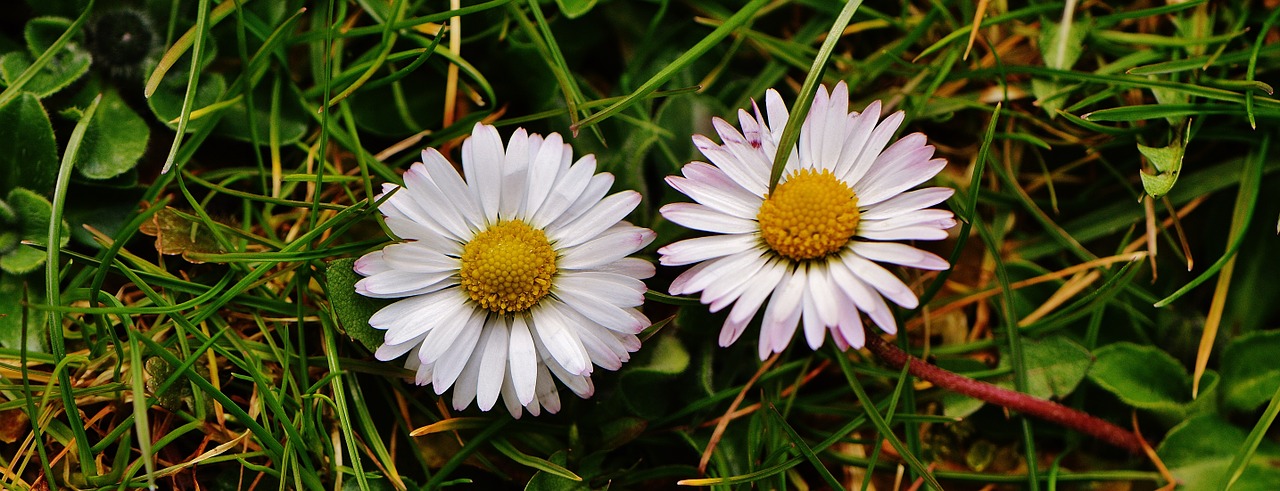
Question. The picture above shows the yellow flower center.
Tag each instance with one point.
(508, 267)
(809, 215)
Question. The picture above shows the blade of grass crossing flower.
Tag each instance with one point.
(804, 99)
(731, 24)
(1253, 66)
(341, 406)
(52, 282)
(970, 206)
(882, 426)
(1251, 442)
(804, 449)
(15, 88)
(1246, 203)
(193, 78)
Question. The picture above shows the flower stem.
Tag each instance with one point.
(1017, 401)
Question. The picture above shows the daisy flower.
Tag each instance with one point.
(810, 248)
(512, 279)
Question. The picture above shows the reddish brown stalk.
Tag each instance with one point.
(1017, 401)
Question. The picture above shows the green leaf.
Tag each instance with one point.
(28, 151)
(353, 310)
(1146, 377)
(32, 214)
(114, 140)
(1199, 451)
(11, 315)
(1168, 164)
(291, 122)
(661, 360)
(575, 8)
(166, 103)
(1249, 373)
(547, 481)
(67, 66)
(1055, 367)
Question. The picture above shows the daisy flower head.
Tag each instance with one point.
(512, 279)
(807, 253)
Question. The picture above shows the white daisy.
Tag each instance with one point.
(517, 275)
(810, 248)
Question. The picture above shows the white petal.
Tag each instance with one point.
(450, 205)
(906, 203)
(881, 279)
(552, 330)
(862, 295)
(782, 315)
(857, 131)
(371, 264)
(850, 324)
(710, 186)
(522, 358)
(515, 175)
(416, 257)
(825, 294)
(602, 312)
(900, 254)
(697, 279)
(886, 180)
(565, 192)
(620, 290)
(699, 249)
(482, 160)
(388, 352)
(813, 130)
(630, 266)
(869, 158)
(413, 316)
(595, 191)
(454, 359)
(511, 400)
(398, 284)
(464, 390)
(451, 328)
(603, 215)
(544, 168)
(607, 248)
(700, 217)
(917, 232)
(579, 384)
(493, 364)
(751, 174)
(548, 395)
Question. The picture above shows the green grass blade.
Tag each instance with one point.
(804, 449)
(15, 88)
(804, 99)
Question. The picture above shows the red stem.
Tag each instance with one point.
(1017, 401)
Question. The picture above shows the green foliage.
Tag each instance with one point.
(353, 310)
(207, 324)
(28, 153)
(1249, 373)
(1146, 377)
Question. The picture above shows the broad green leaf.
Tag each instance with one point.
(353, 310)
(166, 103)
(28, 151)
(1199, 450)
(1146, 377)
(1055, 366)
(575, 8)
(11, 315)
(67, 66)
(291, 123)
(1250, 374)
(32, 213)
(114, 141)
(661, 361)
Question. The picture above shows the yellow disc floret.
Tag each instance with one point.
(508, 267)
(809, 215)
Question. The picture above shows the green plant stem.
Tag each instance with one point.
(1017, 401)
